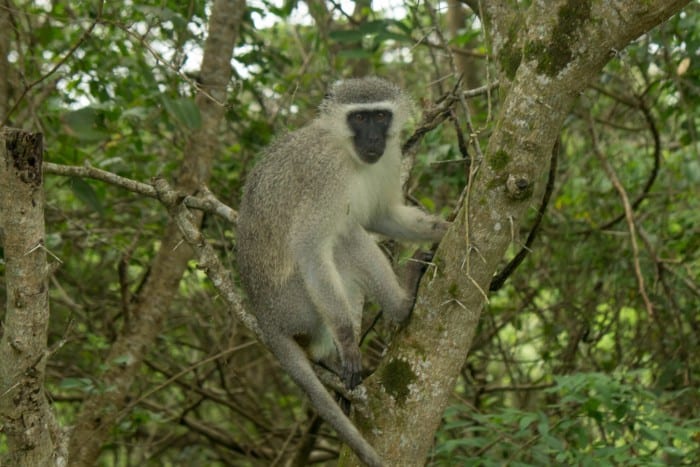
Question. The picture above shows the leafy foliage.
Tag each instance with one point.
(591, 419)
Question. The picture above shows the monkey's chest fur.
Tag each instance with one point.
(371, 188)
(327, 193)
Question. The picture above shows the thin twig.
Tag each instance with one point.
(638, 103)
(629, 214)
(183, 372)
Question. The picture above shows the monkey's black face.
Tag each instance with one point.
(369, 128)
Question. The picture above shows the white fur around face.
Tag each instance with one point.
(336, 123)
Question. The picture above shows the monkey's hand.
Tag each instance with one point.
(400, 312)
(351, 359)
(352, 368)
(441, 227)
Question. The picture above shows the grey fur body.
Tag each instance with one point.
(305, 257)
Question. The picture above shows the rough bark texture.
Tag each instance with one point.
(102, 411)
(25, 417)
(561, 46)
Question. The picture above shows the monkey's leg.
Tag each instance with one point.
(372, 269)
(325, 288)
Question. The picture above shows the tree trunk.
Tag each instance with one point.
(566, 44)
(25, 416)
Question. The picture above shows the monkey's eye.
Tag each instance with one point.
(358, 117)
(380, 116)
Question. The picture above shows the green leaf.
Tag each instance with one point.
(164, 14)
(86, 124)
(84, 384)
(185, 111)
(85, 193)
(527, 420)
(348, 37)
(136, 113)
(122, 360)
(374, 27)
(388, 35)
(543, 426)
(355, 53)
(379, 30)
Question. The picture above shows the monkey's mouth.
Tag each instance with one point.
(370, 155)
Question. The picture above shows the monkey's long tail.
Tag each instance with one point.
(295, 361)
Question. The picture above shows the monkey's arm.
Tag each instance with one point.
(409, 223)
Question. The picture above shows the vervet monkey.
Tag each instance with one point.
(305, 255)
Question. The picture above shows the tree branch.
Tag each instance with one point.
(205, 201)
